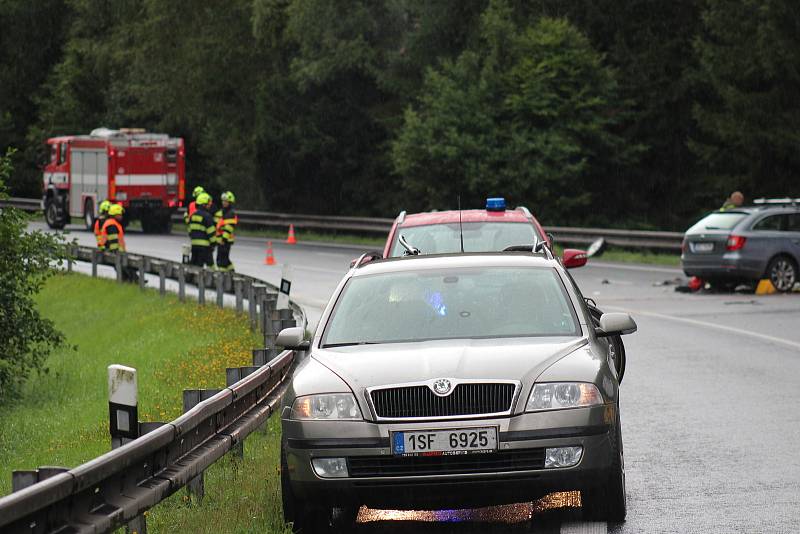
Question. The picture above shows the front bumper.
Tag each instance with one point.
(523, 436)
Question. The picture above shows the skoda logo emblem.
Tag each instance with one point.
(442, 386)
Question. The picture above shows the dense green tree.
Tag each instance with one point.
(31, 42)
(750, 63)
(528, 113)
(26, 260)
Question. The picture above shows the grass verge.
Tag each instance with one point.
(62, 416)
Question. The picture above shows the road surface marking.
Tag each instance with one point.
(705, 324)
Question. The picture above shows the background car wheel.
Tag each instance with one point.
(782, 272)
(608, 502)
(51, 215)
(88, 214)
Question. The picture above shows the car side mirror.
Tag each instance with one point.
(614, 324)
(292, 339)
(573, 258)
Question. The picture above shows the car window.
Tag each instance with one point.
(62, 155)
(773, 223)
(478, 237)
(794, 222)
(451, 303)
(725, 220)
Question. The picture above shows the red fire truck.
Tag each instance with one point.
(145, 172)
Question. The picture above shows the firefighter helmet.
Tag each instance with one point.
(115, 209)
(203, 199)
(228, 196)
(197, 191)
(104, 205)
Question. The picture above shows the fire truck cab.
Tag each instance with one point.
(145, 172)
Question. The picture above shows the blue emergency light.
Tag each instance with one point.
(496, 204)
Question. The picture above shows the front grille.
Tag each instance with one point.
(491, 462)
(420, 401)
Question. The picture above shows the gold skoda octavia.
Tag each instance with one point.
(453, 381)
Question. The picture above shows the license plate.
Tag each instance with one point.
(703, 247)
(444, 442)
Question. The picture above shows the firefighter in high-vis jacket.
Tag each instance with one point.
(112, 235)
(202, 232)
(190, 209)
(102, 214)
(225, 232)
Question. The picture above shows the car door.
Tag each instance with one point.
(793, 234)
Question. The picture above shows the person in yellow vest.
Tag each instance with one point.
(192, 207)
(102, 214)
(734, 201)
(202, 232)
(225, 232)
(112, 235)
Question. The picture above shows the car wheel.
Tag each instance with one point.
(608, 502)
(782, 272)
(88, 214)
(51, 216)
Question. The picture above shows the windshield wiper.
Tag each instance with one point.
(349, 343)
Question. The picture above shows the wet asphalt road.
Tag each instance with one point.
(711, 425)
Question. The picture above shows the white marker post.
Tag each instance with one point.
(123, 402)
(285, 287)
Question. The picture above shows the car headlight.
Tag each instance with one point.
(559, 395)
(330, 406)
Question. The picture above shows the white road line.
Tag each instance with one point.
(597, 527)
(705, 324)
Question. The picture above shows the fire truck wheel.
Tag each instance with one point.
(51, 215)
(88, 214)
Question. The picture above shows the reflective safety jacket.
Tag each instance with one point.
(217, 216)
(202, 231)
(98, 230)
(226, 226)
(112, 235)
(190, 209)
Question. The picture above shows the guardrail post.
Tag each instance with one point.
(23, 478)
(118, 266)
(162, 277)
(182, 283)
(191, 398)
(94, 263)
(201, 285)
(220, 280)
(233, 375)
(259, 293)
(142, 271)
(251, 305)
(237, 289)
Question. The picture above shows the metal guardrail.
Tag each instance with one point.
(565, 235)
(117, 487)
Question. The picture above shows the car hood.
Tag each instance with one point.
(523, 359)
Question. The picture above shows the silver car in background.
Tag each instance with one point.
(745, 245)
(452, 381)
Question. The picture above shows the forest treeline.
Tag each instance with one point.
(638, 113)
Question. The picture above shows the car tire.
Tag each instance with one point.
(51, 216)
(609, 502)
(782, 272)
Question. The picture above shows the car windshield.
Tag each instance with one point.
(724, 220)
(451, 303)
(478, 237)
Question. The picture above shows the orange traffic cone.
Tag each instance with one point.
(270, 259)
(291, 239)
